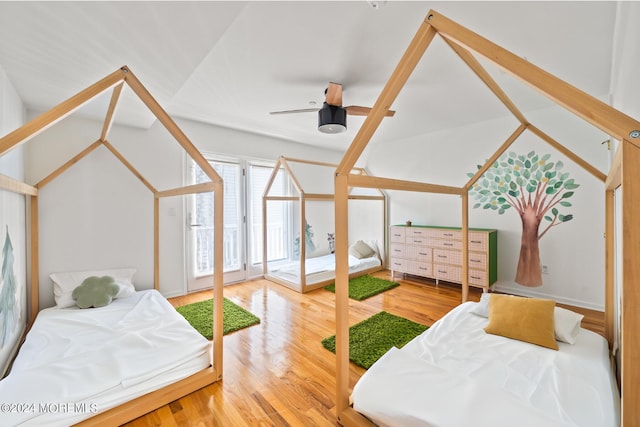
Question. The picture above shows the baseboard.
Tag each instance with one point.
(529, 293)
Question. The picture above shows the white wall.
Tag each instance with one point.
(98, 215)
(12, 209)
(573, 252)
(625, 85)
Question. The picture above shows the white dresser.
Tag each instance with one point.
(436, 252)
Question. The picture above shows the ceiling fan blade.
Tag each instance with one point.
(334, 94)
(356, 110)
(302, 110)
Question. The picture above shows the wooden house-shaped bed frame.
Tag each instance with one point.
(302, 197)
(624, 175)
(148, 402)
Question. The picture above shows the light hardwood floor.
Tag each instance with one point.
(277, 373)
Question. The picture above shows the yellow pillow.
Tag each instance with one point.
(525, 319)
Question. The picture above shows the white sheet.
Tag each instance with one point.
(321, 268)
(76, 362)
(454, 374)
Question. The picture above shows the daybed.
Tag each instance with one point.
(456, 374)
(77, 362)
(301, 190)
(88, 338)
(322, 269)
(621, 200)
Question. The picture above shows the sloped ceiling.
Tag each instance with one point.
(231, 63)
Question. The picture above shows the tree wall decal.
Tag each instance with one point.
(8, 286)
(537, 190)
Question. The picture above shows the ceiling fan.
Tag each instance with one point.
(332, 116)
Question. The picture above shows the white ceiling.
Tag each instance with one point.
(231, 63)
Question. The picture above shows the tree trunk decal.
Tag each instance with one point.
(536, 189)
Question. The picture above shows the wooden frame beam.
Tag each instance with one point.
(75, 159)
(128, 165)
(486, 78)
(62, 110)
(396, 82)
(108, 121)
(169, 124)
(15, 186)
(630, 315)
(495, 156)
(595, 112)
(396, 184)
(570, 154)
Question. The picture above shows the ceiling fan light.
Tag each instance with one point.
(332, 119)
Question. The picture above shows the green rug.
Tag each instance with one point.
(363, 287)
(200, 316)
(373, 337)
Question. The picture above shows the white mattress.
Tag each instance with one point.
(455, 374)
(75, 363)
(321, 268)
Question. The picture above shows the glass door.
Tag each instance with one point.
(200, 227)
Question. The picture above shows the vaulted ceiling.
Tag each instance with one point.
(231, 63)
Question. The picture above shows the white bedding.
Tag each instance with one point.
(321, 268)
(455, 374)
(76, 362)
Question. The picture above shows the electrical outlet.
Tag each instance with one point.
(545, 269)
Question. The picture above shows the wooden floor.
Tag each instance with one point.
(277, 373)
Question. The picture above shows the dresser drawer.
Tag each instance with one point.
(397, 235)
(478, 241)
(421, 268)
(416, 232)
(478, 278)
(397, 250)
(477, 260)
(447, 272)
(420, 253)
(437, 233)
(399, 264)
(445, 244)
(442, 256)
(411, 240)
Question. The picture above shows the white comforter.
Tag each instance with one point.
(456, 375)
(76, 362)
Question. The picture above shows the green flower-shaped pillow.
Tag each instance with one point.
(95, 292)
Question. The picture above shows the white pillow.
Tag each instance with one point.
(64, 283)
(567, 325)
(361, 250)
(482, 307)
(566, 322)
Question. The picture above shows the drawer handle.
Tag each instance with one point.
(475, 260)
(398, 264)
(417, 241)
(423, 268)
(476, 241)
(442, 256)
(447, 244)
(476, 277)
(448, 234)
(397, 250)
(444, 272)
(397, 235)
(423, 253)
(417, 232)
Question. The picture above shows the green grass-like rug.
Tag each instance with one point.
(373, 337)
(200, 316)
(366, 286)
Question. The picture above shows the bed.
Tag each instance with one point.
(456, 374)
(77, 362)
(322, 268)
